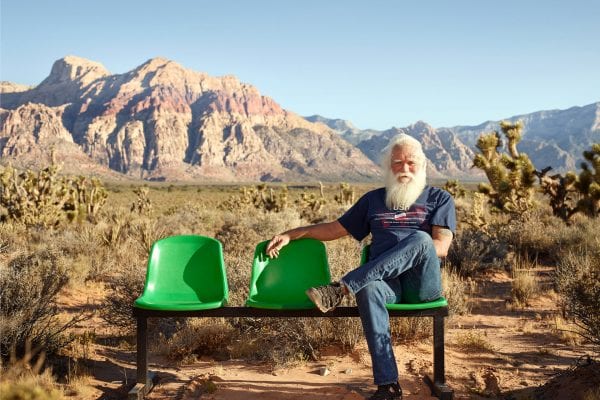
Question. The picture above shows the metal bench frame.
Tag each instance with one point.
(144, 378)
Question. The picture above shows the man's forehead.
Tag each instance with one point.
(405, 151)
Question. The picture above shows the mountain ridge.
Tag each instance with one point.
(161, 121)
(555, 138)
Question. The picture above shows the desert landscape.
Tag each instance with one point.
(96, 166)
(123, 123)
(70, 277)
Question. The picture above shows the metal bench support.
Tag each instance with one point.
(145, 380)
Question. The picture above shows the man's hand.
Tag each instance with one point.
(325, 231)
(277, 244)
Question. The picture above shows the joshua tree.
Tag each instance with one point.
(511, 175)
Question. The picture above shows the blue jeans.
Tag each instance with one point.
(408, 273)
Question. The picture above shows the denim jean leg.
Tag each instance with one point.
(371, 301)
(408, 253)
(423, 282)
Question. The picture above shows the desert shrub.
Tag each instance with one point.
(198, 336)
(125, 287)
(579, 237)
(29, 389)
(474, 251)
(280, 342)
(192, 218)
(410, 329)
(144, 232)
(456, 290)
(343, 256)
(474, 340)
(524, 286)
(578, 281)
(284, 342)
(29, 284)
(536, 237)
(542, 237)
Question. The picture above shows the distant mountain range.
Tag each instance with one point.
(161, 121)
(555, 138)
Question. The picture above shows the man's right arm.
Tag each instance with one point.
(324, 232)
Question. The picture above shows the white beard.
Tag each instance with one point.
(399, 195)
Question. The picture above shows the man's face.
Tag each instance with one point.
(404, 164)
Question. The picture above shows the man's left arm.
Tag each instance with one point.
(442, 237)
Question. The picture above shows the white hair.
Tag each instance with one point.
(402, 140)
(400, 196)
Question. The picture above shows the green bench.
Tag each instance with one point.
(186, 277)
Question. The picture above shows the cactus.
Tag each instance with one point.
(259, 198)
(87, 197)
(310, 206)
(588, 182)
(571, 193)
(346, 195)
(34, 199)
(454, 187)
(476, 217)
(511, 176)
(45, 199)
(142, 204)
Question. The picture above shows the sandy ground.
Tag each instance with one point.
(526, 353)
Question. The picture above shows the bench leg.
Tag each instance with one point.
(144, 380)
(438, 384)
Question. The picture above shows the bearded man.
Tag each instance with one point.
(412, 225)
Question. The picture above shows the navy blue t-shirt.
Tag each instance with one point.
(388, 227)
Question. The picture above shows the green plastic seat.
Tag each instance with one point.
(441, 302)
(185, 273)
(280, 283)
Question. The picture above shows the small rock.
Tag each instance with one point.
(348, 371)
(324, 371)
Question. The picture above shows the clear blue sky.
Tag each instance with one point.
(376, 63)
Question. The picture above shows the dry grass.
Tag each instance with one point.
(474, 340)
(197, 337)
(524, 286)
(24, 378)
(457, 291)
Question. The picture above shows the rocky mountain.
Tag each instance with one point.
(555, 138)
(447, 155)
(162, 121)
